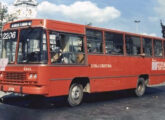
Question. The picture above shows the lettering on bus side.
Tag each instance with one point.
(158, 65)
(101, 66)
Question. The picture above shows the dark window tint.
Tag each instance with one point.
(147, 46)
(158, 51)
(114, 43)
(133, 45)
(94, 41)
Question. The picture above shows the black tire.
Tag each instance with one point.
(75, 96)
(141, 87)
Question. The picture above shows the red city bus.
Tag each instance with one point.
(55, 58)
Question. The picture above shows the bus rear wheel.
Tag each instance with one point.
(75, 94)
(141, 87)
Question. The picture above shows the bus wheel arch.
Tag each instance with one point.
(76, 91)
(84, 81)
(145, 77)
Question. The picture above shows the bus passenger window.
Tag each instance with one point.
(66, 49)
(94, 41)
(54, 47)
(114, 43)
(147, 46)
(133, 45)
(158, 50)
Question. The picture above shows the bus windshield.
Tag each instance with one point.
(9, 45)
(32, 46)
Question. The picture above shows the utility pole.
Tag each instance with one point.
(163, 28)
(137, 25)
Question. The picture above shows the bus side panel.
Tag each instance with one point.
(59, 87)
(60, 78)
(157, 74)
(157, 79)
(115, 72)
(111, 84)
(106, 74)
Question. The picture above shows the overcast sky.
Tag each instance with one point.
(113, 14)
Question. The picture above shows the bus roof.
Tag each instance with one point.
(64, 27)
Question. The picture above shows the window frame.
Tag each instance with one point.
(46, 40)
(73, 34)
(123, 44)
(17, 34)
(130, 35)
(102, 42)
(154, 48)
(151, 46)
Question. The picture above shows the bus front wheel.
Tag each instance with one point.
(141, 87)
(75, 94)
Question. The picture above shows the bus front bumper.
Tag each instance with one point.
(34, 90)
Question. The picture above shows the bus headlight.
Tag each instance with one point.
(35, 76)
(32, 76)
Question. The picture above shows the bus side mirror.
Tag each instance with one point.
(142, 55)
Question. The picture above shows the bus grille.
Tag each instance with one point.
(15, 76)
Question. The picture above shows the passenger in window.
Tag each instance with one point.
(80, 59)
(55, 55)
(68, 58)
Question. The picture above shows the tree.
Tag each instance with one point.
(5, 16)
(3, 13)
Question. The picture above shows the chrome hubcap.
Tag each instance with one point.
(140, 88)
(76, 92)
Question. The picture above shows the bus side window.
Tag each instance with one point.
(114, 43)
(54, 47)
(133, 45)
(94, 41)
(67, 49)
(158, 51)
(147, 46)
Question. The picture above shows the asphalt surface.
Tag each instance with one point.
(121, 105)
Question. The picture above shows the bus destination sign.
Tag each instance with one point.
(21, 24)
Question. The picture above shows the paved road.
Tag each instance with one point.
(107, 106)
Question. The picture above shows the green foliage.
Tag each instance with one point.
(3, 14)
